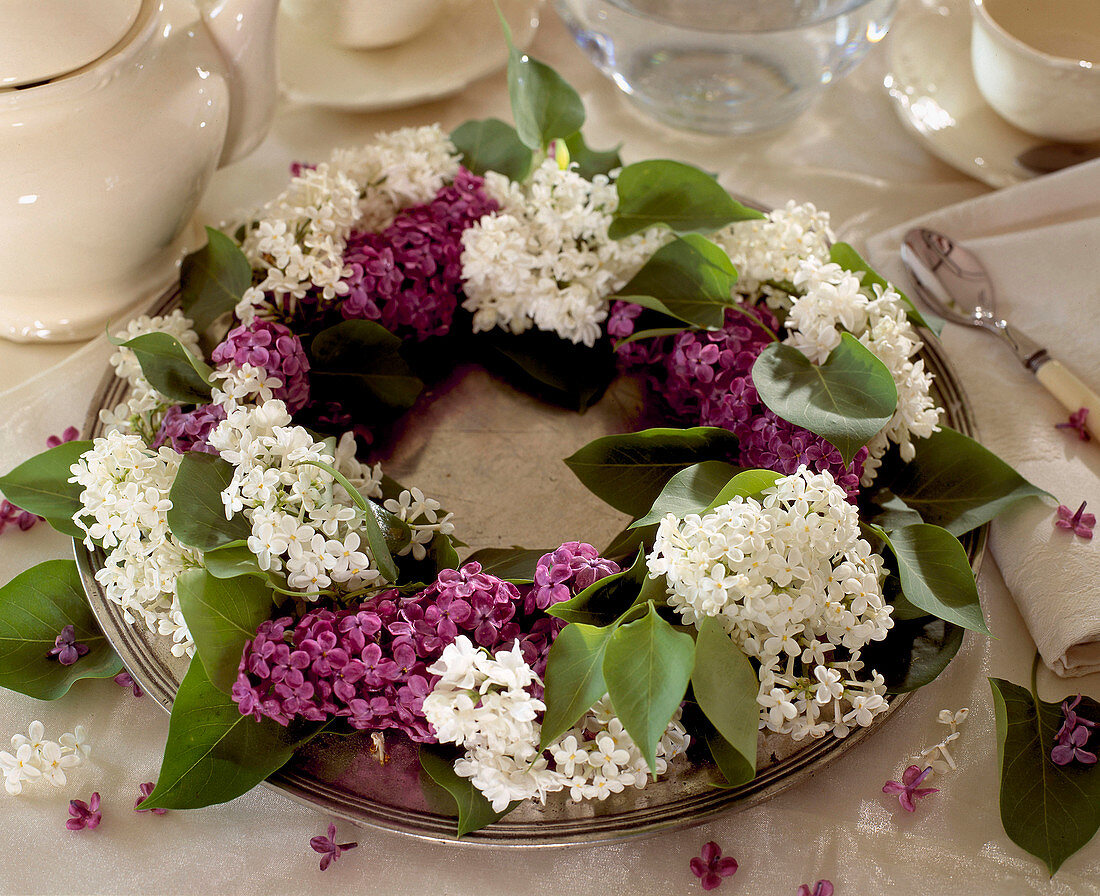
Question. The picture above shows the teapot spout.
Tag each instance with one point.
(244, 33)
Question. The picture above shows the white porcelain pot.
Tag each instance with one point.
(1038, 64)
(114, 114)
(365, 24)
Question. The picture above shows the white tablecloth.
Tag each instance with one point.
(850, 155)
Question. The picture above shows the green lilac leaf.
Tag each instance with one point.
(517, 565)
(41, 485)
(362, 357)
(956, 483)
(591, 162)
(197, 517)
(690, 490)
(647, 665)
(574, 677)
(849, 259)
(887, 511)
(34, 607)
(213, 279)
(626, 543)
(213, 753)
(746, 484)
(544, 106)
(914, 652)
(731, 761)
(170, 368)
(725, 686)
(474, 811)
(222, 616)
(231, 560)
(1048, 810)
(846, 400)
(492, 145)
(682, 197)
(605, 600)
(690, 279)
(936, 575)
(628, 471)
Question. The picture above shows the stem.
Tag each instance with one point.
(740, 309)
(1034, 678)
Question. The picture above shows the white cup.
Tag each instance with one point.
(1037, 63)
(365, 24)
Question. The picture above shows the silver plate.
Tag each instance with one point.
(464, 439)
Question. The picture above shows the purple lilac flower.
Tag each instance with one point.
(369, 664)
(124, 680)
(84, 814)
(409, 277)
(908, 789)
(10, 514)
(189, 430)
(71, 432)
(328, 847)
(1079, 522)
(821, 888)
(1077, 422)
(273, 347)
(66, 649)
(710, 867)
(566, 572)
(144, 790)
(705, 377)
(1070, 741)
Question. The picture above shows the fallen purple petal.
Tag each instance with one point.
(821, 888)
(907, 789)
(1077, 423)
(66, 650)
(710, 867)
(124, 680)
(1079, 522)
(146, 789)
(84, 814)
(328, 847)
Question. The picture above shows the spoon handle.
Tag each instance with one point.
(1064, 385)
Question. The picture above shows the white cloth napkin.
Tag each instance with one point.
(1040, 242)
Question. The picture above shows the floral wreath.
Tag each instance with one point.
(772, 576)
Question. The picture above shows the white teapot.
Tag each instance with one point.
(114, 115)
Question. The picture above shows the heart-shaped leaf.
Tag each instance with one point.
(746, 484)
(914, 652)
(591, 162)
(41, 485)
(936, 575)
(34, 608)
(170, 368)
(492, 145)
(605, 600)
(197, 518)
(213, 753)
(682, 197)
(213, 279)
(647, 665)
(231, 560)
(849, 259)
(729, 760)
(956, 483)
(1049, 810)
(628, 471)
(222, 616)
(691, 490)
(846, 400)
(574, 677)
(544, 106)
(725, 686)
(474, 811)
(691, 279)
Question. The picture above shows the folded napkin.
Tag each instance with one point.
(1040, 242)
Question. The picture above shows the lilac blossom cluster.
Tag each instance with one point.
(189, 430)
(706, 379)
(1070, 741)
(274, 349)
(409, 276)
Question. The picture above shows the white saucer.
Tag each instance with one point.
(936, 96)
(464, 43)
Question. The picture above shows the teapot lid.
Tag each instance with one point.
(45, 39)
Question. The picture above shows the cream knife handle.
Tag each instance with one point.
(1071, 392)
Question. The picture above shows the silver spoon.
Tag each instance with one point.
(952, 282)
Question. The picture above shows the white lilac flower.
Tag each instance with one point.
(834, 301)
(545, 259)
(424, 519)
(124, 507)
(484, 705)
(34, 758)
(791, 581)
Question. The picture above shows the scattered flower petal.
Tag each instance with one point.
(84, 814)
(821, 888)
(329, 848)
(1080, 523)
(908, 790)
(145, 790)
(710, 867)
(66, 649)
(125, 680)
(1077, 422)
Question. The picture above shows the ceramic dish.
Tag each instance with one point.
(462, 44)
(933, 88)
(339, 776)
